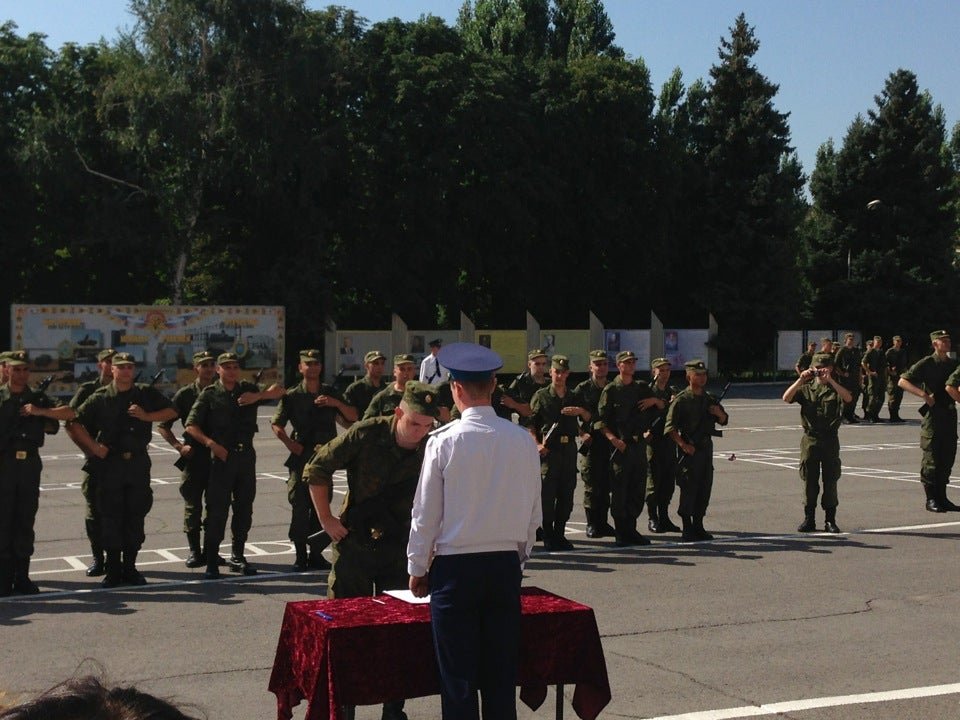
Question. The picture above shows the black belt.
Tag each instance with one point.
(20, 453)
(240, 447)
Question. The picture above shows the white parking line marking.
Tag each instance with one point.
(815, 703)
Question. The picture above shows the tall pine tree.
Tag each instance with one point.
(746, 201)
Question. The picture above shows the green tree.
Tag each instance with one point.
(884, 243)
(746, 204)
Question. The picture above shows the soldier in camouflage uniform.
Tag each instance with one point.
(88, 482)
(803, 362)
(224, 420)
(896, 359)
(382, 457)
(595, 449)
(26, 415)
(386, 401)
(314, 410)
(554, 424)
(821, 400)
(874, 366)
(360, 393)
(114, 428)
(521, 390)
(194, 460)
(661, 453)
(690, 423)
(624, 418)
(847, 362)
(934, 380)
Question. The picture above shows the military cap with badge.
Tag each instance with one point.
(311, 355)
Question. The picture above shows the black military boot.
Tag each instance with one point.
(666, 525)
(933, 503)
(6, 577)
(702, 534)
(653, 519)
(113, 570)
(895, 417)
(944, 502)
(237, 562)
(132, 576)
(689, 529)
(560, 541)
(809, 523)
(22, 584)
(831, 524)
(301, 563)
(95, 569)
(196, 558)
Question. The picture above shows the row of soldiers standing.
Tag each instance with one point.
(629, 433)
(638, 441)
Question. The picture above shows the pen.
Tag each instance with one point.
(323, 615)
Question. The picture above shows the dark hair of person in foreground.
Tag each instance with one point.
(86, 698)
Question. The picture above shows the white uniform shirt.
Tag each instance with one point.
(479, 491)
(431, 371)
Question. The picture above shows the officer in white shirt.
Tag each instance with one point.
(431, 371)
(475, 513)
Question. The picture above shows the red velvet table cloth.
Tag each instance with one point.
(359, 652)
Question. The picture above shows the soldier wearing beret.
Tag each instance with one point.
(386, 401)
(595, 449)
(25, 416)
(518, 396)
(661, 452)
(847, 362)
(554, 423)
(896, 359)
(690, 423)
(874, 365)
(624, 418)
(360, 393)
(821, 400)
(224, 420)
(114, 428)
(382, 456)
(194, 460)
(88, 481)
(313, 409)
(934, 379)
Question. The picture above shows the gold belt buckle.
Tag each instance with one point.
(21, 455)
(564, 439)
(126, 455)
(376, 533)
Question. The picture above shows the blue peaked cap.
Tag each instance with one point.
(469, 362)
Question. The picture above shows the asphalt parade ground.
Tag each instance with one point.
(760, 622)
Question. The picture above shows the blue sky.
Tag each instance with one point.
(829, 57)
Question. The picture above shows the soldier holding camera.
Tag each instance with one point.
(821, 399)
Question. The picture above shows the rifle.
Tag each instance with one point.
(44, 384)
(711, 428)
